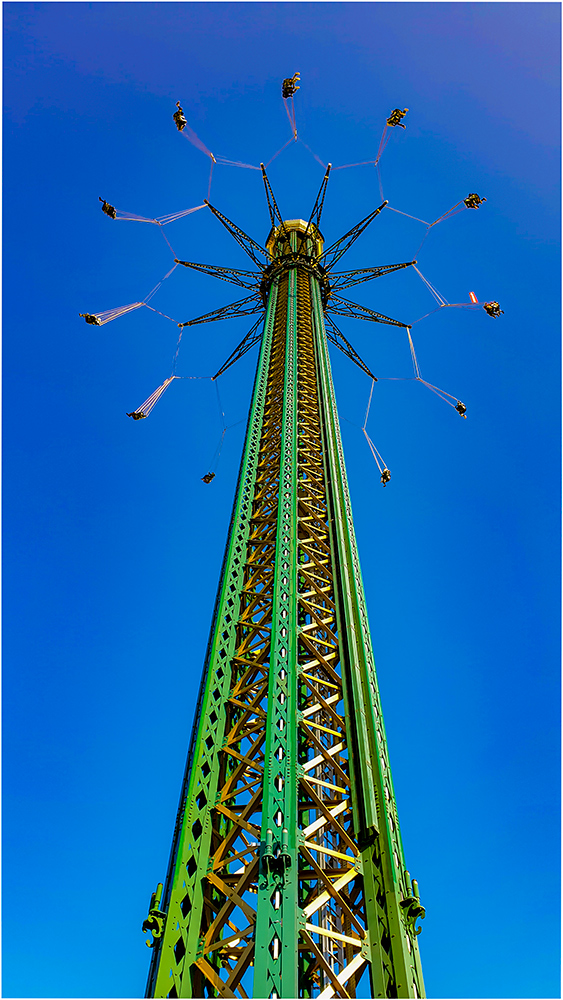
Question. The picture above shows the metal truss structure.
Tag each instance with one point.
(286, 874)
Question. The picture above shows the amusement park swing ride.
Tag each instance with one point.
(287, 875)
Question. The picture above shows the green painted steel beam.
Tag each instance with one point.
(192, 852)
(275, 964)
(373, 775)
(246, 897)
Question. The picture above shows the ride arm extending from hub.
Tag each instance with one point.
(253, 337)
(246, 279)
(345, 279)
(315, 217)
(243, 239)
(275, 215)
(353, 310)
(333, 254)
(333, 333)
(244, 307)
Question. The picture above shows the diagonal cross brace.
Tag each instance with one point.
(339, 248)
(243, 239)
(333, 333)
(244, 307)
(345, 279)
(246, 279)
(343, 307)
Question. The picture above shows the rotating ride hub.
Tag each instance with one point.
(309, 242)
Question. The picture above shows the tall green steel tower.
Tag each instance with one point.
(286, 875)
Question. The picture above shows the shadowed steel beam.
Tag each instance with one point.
(245, 241)
(315, 217)
(338, 249)
(275, 214)
(345, 279)
(244, 307)
(253, 337)
(333, 333)
(353, 310)
(246, 279)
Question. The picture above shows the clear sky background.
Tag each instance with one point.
(113, 545)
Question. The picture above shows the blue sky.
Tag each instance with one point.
(113, 545)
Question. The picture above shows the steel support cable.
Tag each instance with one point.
(146, 408)
(385, 136)
(175, 358)
(426, 315)
(418, 378)
(439, 392)
(447, 215)
(398, 211)
(454, 210)
(272, 158)
(413, 356)
(362, 163)
(191, 136)
(210, 178)
(380, 181)
(105, 316)
(220, 405)
(157, 286)
(217, 453)
(291, 115)
(447, 305)
(308, 148)
(163, 220)
(171, 318)
(434, 291)
(416, 219)
(364, 425)
(223, 162)
(225, 427)
(378, 459)
(170, 247)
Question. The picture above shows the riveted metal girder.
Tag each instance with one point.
(343, 307)
(229, 708)
(287, 876)
(246, 279)
(345, 279)
(253, 337)
(395, 962)
(244, 307)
